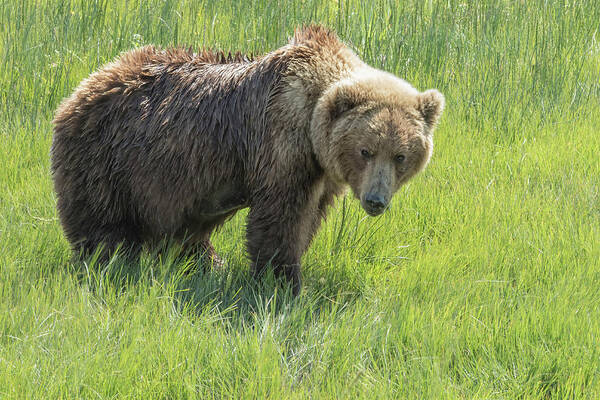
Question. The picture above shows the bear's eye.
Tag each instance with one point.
(400, 158)
(365, 153)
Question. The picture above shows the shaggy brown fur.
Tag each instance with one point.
(169, 144)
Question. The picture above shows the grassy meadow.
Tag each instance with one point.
(482, 281)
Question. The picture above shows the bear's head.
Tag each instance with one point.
(373, 132)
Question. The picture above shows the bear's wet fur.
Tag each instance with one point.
(168, 144)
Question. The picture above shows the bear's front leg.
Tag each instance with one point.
(279, 231)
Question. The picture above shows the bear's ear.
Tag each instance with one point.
(343, 100)
(430, 105)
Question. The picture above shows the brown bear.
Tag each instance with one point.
(171, 143)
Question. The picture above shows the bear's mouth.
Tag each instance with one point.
(374, 212)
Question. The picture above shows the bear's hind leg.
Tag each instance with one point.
(106, 240)
(201, 247)
(199, 243)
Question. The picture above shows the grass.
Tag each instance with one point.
(482, 281)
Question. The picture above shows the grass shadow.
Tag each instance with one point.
(229, 291)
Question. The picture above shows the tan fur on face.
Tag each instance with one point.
(375, 111)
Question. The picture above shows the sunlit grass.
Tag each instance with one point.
(482, 281)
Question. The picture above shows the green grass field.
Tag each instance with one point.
(482, 281)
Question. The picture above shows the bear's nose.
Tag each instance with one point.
(375, 201)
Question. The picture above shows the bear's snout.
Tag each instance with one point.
(374, 203)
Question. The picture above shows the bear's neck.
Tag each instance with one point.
(310, 73)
